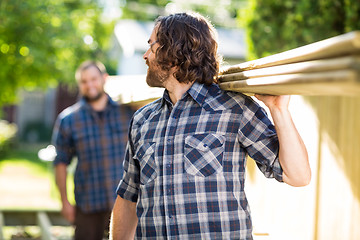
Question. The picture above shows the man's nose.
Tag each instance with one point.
(146, 54)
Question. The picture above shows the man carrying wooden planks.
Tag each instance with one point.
(184, 170)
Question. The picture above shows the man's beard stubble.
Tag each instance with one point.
(155, 75)
(94, 99)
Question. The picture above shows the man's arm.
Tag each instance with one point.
(68, 210)
(293, 155)
(123, 220)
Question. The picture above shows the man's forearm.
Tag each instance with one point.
(60, 178)
(123, 220)
(67, 210)
(292, 153)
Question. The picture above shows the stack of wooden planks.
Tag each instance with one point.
(327, 67)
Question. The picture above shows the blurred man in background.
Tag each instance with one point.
(95, 131)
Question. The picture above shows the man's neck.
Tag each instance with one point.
(176, 89)
(100, 104)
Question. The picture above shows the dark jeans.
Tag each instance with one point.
(91, 226)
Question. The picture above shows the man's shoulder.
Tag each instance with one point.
(146, 111)
(70, 111)
(219, 99)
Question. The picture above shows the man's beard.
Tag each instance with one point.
(90, 99)
(155, 75)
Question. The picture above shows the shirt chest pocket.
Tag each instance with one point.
(204, 154)
(145, 154)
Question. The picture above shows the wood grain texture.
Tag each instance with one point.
(324, 65)
(325, 83)
(341, 45)
(328, 67)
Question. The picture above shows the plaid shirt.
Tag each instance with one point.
(99, 144)
(185, 164)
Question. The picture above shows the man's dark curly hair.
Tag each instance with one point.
(188, 41)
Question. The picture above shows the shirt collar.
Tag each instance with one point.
(165, 99)
(197, 91)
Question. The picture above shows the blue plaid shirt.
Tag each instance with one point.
(185, 164)
(99, 144)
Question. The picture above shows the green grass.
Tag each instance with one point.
(24, 156)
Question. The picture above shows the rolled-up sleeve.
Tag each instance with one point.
(63, 141)
(129, 185)
(258, 136)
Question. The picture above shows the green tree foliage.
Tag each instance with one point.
(144, 10)
(42, 42)
(274, 26)
(148, 10)
(7, 135)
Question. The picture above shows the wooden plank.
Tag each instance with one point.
(347, 62)
(341, 45)
(45, 226)
(324, 83)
